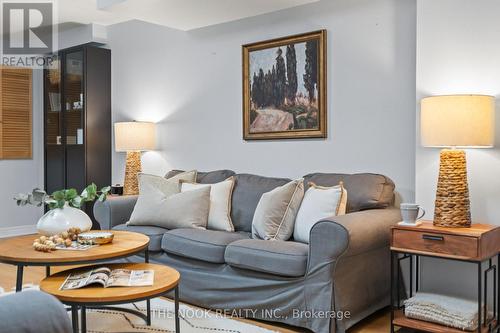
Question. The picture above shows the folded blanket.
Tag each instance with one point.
(445, 310)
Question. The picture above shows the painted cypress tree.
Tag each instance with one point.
(273, 98)
(268, 89)
(280, 83)
(291, 73)
(260, 85)
(255, 90)
(311, 68)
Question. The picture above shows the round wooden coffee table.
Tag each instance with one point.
(166, 279)
(19, 251)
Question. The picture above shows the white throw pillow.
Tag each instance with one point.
(275, 214)
(153, 190)
(319, 203)
(219, 217)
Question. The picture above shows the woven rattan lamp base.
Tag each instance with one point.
(132, 168)
(452, 207)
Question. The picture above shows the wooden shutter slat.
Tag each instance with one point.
(16, 113)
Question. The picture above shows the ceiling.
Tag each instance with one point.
(177, 14)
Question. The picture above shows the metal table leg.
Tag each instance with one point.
(148, 312)
(74, 318)
(83, 319)
(497, 272)
(479, 298)
(392, 292)
(19, 278)
(148, 302)
(176, 302)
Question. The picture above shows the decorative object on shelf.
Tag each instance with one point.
(456, 121)
(411, 212)
(445, 310)
(97, 237)
(54, 75)
(117, 189)
(64, 205)
(49, 243)
(285, 99)
(132, 138)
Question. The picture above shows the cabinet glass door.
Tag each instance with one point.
(73, 94)
(54, 145)
(53, 130)
(74, 119)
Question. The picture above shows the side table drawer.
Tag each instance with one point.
(456, 245)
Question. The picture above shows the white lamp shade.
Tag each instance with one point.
(458, 121)
(135, 136)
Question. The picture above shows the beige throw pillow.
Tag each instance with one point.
(153, 190)
(184, 210)
(275, 214)
(219, 217)
(319, 203)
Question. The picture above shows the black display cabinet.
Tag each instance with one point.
(77, 120)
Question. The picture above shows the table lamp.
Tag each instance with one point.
(452, 122)
(134, 137)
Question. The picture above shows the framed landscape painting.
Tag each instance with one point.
(284, 87)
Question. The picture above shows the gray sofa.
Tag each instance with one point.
(33, 312)
(345, 268)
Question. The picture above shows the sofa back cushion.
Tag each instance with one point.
(246, 195)
(210, 177)
(364, 190)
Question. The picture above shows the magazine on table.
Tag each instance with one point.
(109, 278)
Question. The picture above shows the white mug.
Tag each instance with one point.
(411, 212)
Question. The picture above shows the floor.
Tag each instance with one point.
(377, 323)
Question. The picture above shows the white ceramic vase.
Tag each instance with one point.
(58, 220)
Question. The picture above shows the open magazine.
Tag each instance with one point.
(109, 278)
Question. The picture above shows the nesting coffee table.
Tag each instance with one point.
(166, 279)
(19, 251)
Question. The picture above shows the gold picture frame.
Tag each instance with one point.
(284, 92)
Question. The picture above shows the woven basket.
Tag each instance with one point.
(452, 207)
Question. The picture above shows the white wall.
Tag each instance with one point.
(190, 82)
(458, 51)
(23, 175)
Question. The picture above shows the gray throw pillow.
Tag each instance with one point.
(274, 217)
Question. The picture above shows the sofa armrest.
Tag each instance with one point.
(114, 211)
(349, 235)
(33, 311)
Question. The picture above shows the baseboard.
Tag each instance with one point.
(17, 231)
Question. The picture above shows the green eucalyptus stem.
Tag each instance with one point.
(60, 198)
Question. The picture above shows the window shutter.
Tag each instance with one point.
(15, 113)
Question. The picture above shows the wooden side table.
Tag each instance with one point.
(166, 279)
(476, 245)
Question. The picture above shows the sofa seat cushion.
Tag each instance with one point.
(284, 258)
(205, 245)
(155, 234)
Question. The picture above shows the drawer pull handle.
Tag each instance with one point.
(433, 238)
